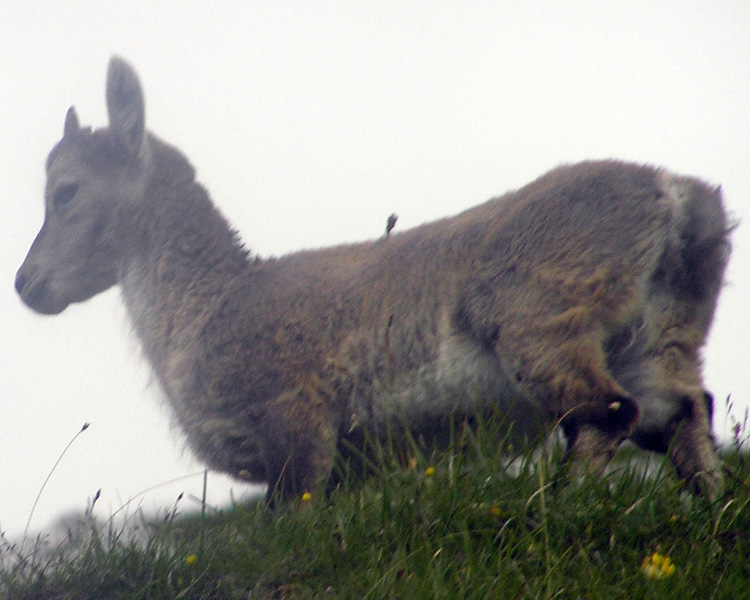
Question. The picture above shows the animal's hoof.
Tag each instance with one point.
(709, 484)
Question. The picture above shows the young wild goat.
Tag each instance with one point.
(585, 296)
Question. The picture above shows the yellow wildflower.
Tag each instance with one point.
(657, 566)
(429, 471)
(191, 559)
(306, 497)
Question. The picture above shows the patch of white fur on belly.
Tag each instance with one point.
(464, 364)
(473, 378)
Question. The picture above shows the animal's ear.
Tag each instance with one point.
(71, 124)
(127, 119)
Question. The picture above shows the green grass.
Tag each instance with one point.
(472, 528)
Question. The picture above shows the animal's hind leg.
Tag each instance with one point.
(552, 327)
(677, 417)
(596, 413)
(692, 449)
(661, 368)
(551, 337)
(568, 375)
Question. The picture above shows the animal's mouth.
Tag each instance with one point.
(35, 293)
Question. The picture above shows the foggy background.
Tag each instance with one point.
(310, 122)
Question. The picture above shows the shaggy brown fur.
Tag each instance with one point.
(585, 296)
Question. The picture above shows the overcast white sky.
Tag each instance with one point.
(312, 121)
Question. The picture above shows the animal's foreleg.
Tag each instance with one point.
(300, 438)
(692, 448)
(594, 439)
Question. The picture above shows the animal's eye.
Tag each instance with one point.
(64, 194)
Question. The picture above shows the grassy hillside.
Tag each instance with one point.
(461, 523)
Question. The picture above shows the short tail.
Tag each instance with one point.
(698, 247)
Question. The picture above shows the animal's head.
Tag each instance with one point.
(94, 182)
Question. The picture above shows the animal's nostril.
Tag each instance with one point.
(20, 281)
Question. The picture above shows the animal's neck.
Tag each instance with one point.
(185, 261)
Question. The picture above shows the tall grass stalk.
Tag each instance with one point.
(49, 475)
